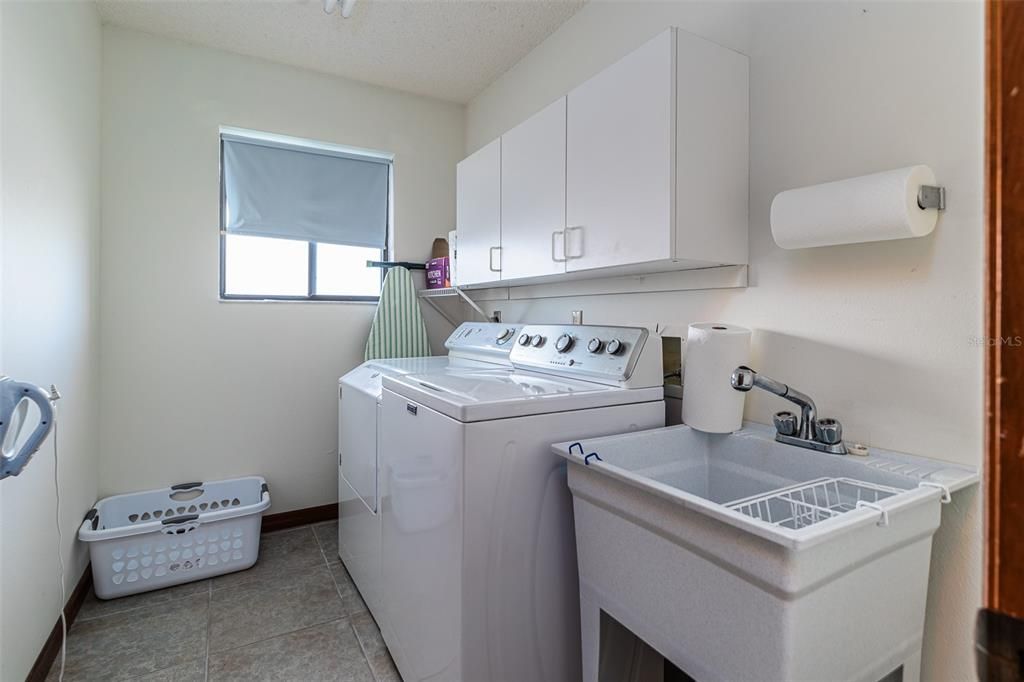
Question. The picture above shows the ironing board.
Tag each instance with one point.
(397, 330)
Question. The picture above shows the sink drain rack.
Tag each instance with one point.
(806, 504)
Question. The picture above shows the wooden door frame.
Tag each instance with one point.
(1004, 375)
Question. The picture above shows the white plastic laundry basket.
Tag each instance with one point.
(190, 531)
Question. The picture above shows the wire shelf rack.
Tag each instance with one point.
(809, 503)
(437, 293)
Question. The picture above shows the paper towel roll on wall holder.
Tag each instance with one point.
(895, 204)
(931, 196)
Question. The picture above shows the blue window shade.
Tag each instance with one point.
(291, 192)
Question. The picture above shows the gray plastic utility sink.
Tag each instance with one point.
(738, 557)
(706, 472)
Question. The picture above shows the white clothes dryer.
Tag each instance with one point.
(473, 345)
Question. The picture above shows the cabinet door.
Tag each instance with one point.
(478, 215)
(619, 161)
(533, 195)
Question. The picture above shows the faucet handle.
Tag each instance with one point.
(786, 423)
(828, 431)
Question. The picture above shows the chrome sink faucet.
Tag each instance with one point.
(807, 431)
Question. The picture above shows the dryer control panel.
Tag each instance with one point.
(608, 355)
(489, 341)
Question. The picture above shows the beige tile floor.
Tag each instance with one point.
(294, 616)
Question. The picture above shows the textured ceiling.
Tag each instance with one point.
(449, 49)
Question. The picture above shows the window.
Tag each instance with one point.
(300, 219)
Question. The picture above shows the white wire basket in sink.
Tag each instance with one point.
(806, 504)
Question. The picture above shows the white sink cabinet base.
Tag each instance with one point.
(727, 597)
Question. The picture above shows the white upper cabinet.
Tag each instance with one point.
(642, 168)
(656, 159)
(712, 149)
(533, 195)
(478, 216)
(619, 162)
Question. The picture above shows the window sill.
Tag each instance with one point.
(254, 299)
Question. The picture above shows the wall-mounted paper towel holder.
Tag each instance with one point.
(894, 204)
(930, 196)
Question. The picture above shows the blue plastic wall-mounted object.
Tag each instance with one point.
(12, 412)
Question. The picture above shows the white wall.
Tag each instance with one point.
(50, 140)
(193, 388)
(880, 334)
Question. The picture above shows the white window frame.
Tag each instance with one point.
(311, 294)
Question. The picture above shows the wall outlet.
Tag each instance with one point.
(577, 317)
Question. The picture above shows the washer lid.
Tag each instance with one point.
(481, 395)
(367, 377)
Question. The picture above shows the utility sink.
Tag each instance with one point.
(712, 473)
(739, 557)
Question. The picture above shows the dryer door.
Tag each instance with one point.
(357, 436)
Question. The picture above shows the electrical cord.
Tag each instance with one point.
(60, 555)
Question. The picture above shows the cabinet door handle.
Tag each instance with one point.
(567, 240)
(553, 237)
(490, 264)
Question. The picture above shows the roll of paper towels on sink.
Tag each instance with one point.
(713, 351)
(868, 208)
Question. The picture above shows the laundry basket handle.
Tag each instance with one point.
(180, 519)
(186, 486)
(92, 517)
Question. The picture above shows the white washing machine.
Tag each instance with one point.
(479, 577)
(470, 346)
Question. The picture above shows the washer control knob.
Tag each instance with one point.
(564, 343)
(524, 340)
(595, 345)
(538, 341)
(615, 347)
(506, 335)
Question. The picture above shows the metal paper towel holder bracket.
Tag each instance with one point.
(930, 196)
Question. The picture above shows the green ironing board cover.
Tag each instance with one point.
(398, 330)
